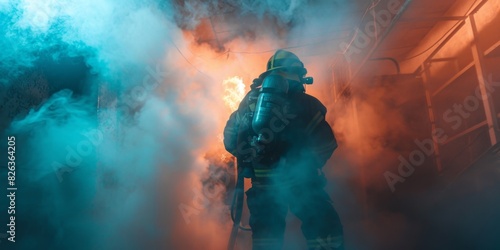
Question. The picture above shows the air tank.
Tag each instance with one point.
(272, 96)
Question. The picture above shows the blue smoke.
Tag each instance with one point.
(82, 182)
(112, 36)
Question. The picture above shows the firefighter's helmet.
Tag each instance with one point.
(285, 61)
(288, 65)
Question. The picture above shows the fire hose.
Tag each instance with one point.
(237, 209)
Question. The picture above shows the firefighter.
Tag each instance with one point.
(281, 140)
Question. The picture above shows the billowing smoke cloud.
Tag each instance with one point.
(105, 33)
(87, 166)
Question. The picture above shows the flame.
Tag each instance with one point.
(234, 91)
